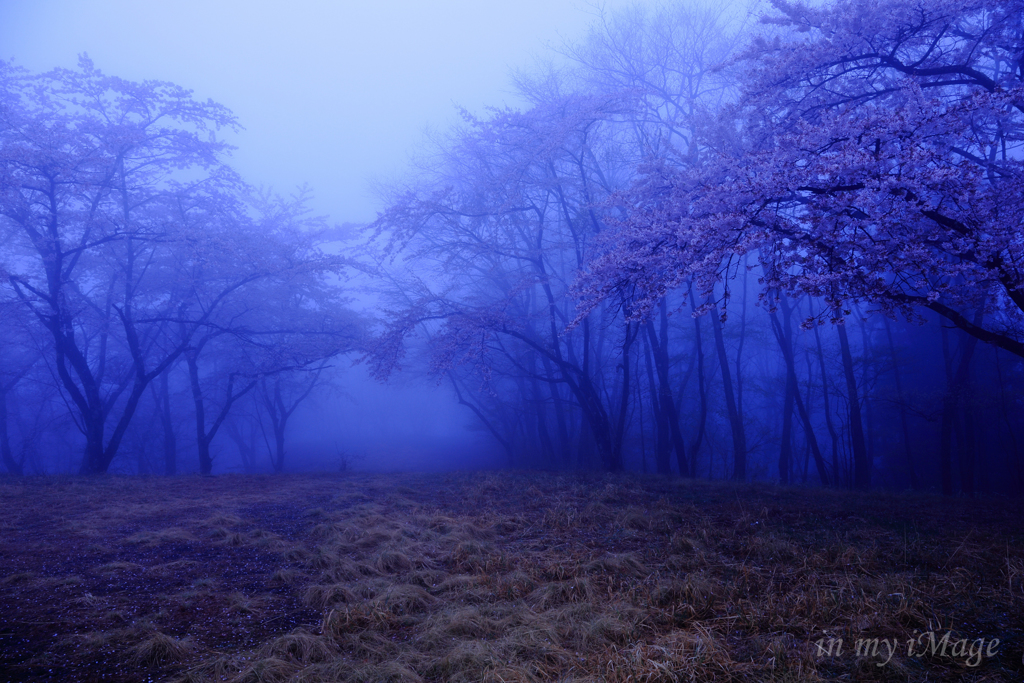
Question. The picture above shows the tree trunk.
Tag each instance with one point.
(786, 447)
(13, 466)
(836, 470)
(702, 390)
(246, 446)
(869, 408)
(783, 334)
(907, 451)
(739, 437)
(170, 438)
(1014, 452)
(280, 412)
(547, 447)
(202, 442)
(205, 436)
(620, 425)
(93, 461)
(596, 421)
(663, 446)
(564, 442)
(278, 447)
(956, 382)
(666, 402)
(861, 464)
(967, 449)
(640, 416)
(277, 461)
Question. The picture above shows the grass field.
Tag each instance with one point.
(502, 577)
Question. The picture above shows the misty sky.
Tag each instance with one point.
(330, 93)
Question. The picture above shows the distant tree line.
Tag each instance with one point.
(704, 246)
(729, 250)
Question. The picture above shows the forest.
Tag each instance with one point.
(785, 250)
(727, 309)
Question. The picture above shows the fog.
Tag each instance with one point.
(335, 96)
(544, 235)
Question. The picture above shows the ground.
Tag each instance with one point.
(502, 576)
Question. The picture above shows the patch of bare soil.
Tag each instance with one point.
(502, 577)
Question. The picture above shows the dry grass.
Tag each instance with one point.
(159, 649)
(497, 577)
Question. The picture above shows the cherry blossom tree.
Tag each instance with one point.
(509, 210)
(495, 232)
(874, 155)
(93, 170)
(127, 237)
(665, 62)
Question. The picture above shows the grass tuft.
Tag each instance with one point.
(159, 649)
(266, 670)
(321, 597)
(392, 562)
(301, 647)
(405, 599)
